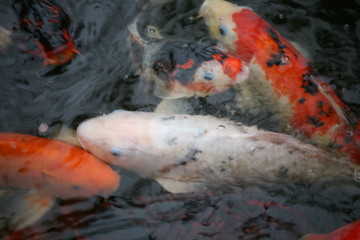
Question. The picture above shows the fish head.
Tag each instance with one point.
(186, 69)
(217, 15)
(226, 26)
(121, 138)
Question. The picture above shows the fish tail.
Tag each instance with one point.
(22, 208)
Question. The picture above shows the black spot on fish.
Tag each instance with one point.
(168, 118)
(182, 163)
(293, 150)
(309, 85)
(315, 121)
(334, 145)
(278, 59)
(320, 104)
(230, 158)
(76, 187)
(192, 155)
(322, 113)
(223, 170)
(283, 172)
(172, 141)
(276, 38)
(301, 100)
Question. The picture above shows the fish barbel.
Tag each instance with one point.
(186, 152)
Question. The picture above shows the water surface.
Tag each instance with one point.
(103, 78)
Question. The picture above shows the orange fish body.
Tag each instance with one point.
(348, 232)
(52, 168)
(316, 111)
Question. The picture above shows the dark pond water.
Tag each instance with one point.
(103, 78)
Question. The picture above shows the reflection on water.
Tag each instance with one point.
(103, 78)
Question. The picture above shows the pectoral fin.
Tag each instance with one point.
(22, 208)
(176, 186)
(67, 135)
(178, 106)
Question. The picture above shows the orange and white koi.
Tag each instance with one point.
(190, 152)
(180, 68)
(184, 69)
(50, 169)
(49, 23)
(315, 111)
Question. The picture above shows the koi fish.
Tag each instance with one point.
(5, 38)
(348, 232)
(314, 110)
(43, 169)
(179, 68)
(189, 152)
(49, 23)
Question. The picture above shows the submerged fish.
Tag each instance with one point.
(180, 68)
(314, 111)
(43, 169)
(5, 38)
(48, 23)
(186, 153)
(348, 232)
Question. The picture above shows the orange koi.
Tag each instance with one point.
(49, 23)
(50, 169)
(315, 111)
(348, 232)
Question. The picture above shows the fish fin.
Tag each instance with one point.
(176, 186)
(178, 106)
(22, 208)
(279, 138)
(66, 134)
(160, 90)
(336, 106)
(301, 49)
(5, 38)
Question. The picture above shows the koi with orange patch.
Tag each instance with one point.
(180, 68)
(42, 169)
(185, 69)
(49, 24)
(314, 110)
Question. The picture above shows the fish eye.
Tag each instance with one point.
(153, 32)
(209, 76)
(151, 29)
(115, 152)
(223, 30)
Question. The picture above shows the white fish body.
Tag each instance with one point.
(186, 153)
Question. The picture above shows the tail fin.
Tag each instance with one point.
(21, 208)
